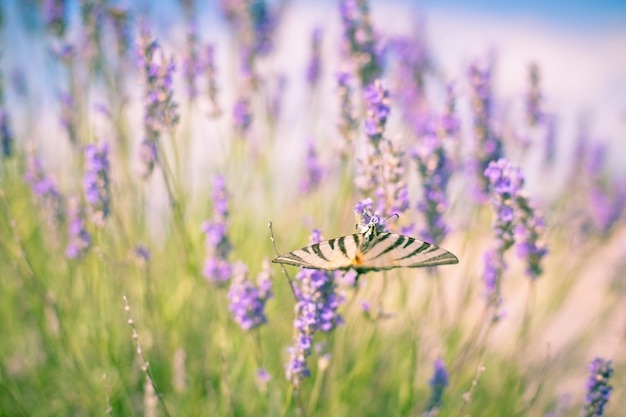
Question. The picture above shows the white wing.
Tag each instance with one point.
(330, 254)
(390, 250)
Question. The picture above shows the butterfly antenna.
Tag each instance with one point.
(291, 283)
(396, 215)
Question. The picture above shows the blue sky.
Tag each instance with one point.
(568, 13)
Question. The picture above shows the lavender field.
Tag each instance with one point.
(156, 156)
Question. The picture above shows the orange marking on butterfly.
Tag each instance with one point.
(357, 260)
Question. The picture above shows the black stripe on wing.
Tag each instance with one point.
(292, 259)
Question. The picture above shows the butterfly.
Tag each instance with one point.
(369, 250)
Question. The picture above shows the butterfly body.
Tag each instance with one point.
(369, 250)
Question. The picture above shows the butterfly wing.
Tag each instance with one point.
(390, 250)
(332, 254)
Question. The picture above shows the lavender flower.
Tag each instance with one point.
(55, 15)
(488, 143)
(435, 170)
(449, 123)
(242, 115)
(252, 22)
(438, 383)
(315, 309)
(6, 136)
(395, 190)
(505, 182)
(210, 75)
(160, 108)
(147, 157)
(598, 387)
(314, 67)
(92, 14)
(96, 183)
(191, 64)
(141, 253)
(45, 190)
(608, 202)
(528, 236)
(217, 269)
(359, 40)
(347, 124)
(494, 267)
(120, 19)
(534, 113)
(377, 102)
(247, 301)
(313, 173)
(68, 117)
(366, 213)
(409, 79)
(79, 239)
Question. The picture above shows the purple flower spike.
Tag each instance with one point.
(210, 74)
(45, 190)
(6, 136)
(598, 387)
(96, 183)
(55, 15)
(359, 42)
(313, 70)
(435, 170)
(528, 233)
(488, 143)
(534, 112)
(394, 189)
(313, 174)
(438, 383)
(120, 19)
(160, 108)
(377, 102)
(347, 124)
(217, 269)
(242, 115)
(247, 301)
(79, 240)
(505, 181)
(191, 63)
(316, 309)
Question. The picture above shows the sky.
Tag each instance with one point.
(578, 45)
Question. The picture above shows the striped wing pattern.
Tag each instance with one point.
(384, 251)
(330, 254)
